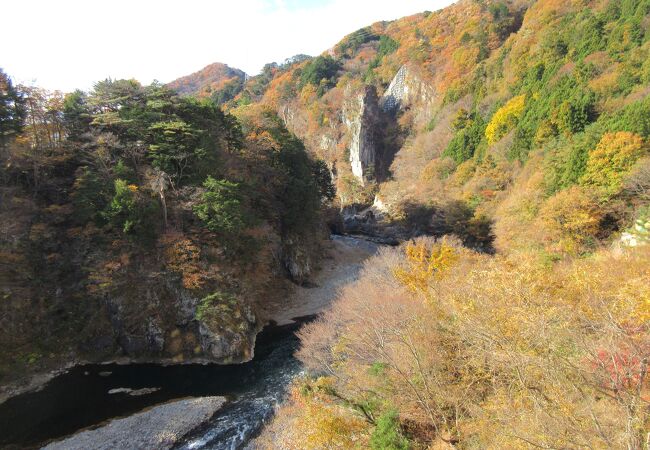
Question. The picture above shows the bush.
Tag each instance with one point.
(387, 435)
(123, 210)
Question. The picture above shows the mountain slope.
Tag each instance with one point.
(523, 129)
(438, 117)
(216, 79)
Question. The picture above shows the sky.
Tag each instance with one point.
(70, 44)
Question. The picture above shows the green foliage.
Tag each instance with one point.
(377, 369)
(567, 162)
(90, 196)
(572, 117)
(387, 45)
(12, 109)
(124, 211)
(76, 114)
(213, 304)
(388, 435)
(323, 179)
(588, 36)
(320, 72)
(174, 146)
(300, 194)
(353, 41)
(634, 118)
(228, 92)
(221, 207)
(565, 106)
(470, 130)
(503, 21)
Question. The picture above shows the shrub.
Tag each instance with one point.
(123, 210)
(387, 435)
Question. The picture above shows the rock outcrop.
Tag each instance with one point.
(160, 427)
(363, 118)
(406, 88)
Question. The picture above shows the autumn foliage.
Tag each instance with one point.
(504, 352)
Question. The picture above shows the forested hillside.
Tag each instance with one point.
(522, 128)
(142, 225)
(483, 119)
(216, 81)
(504, 143)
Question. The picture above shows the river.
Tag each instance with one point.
(86, 396)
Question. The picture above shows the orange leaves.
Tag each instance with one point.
(183, 256)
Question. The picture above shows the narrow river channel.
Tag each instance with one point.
(90, 395)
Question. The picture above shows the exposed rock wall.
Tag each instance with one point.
(406, 88)
(363, 118)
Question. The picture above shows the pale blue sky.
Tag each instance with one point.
(67, 44)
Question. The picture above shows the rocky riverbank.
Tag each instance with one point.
(160, 427)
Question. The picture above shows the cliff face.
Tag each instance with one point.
(363, 118)
(124, 244)
(407, 89)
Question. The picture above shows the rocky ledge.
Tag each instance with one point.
(160, 427)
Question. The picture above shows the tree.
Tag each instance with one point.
(76, 114)
(505, 119)
(44, 121)
(160, 182)
(612, 159)
(174, 146)
(572, 219)
(572, 116)
(221, 208)
(12, 109)
(323, 178)
(322, 69)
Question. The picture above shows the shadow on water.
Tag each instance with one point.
(79, 398)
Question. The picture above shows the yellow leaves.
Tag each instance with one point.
(612, 158)
(321, 425)
(505, 119)
(132, 188)
(571, 218)
(424, 263)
